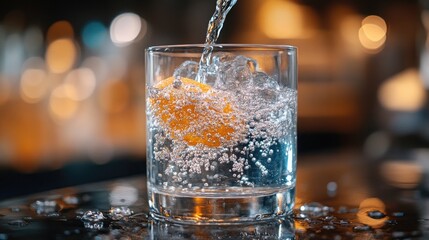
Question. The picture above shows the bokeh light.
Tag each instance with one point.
(13, 55)
(372, 33)
(403, 92)
(125, 28)
(283, 19)
(33, 41)
(62, 107)
(5, 90)
(369, 205)
(79, 84)
(402, 173)
(114, 96)
(58, 30)
(61, 55)
(94, 35)
(98, 65)
(34, 85)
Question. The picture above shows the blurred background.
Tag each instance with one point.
(72, 79)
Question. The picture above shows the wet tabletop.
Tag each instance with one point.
(339, 196)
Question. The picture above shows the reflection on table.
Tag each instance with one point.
(340, 196)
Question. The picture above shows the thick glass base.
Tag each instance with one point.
(220, 207)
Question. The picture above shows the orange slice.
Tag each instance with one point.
(195, 113)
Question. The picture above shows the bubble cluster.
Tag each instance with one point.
(240, 123)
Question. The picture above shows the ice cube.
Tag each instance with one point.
(220, 58)
(262, 81)
(188, 69)
(235, 73)
(265, 86)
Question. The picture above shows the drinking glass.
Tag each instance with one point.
(221, 137)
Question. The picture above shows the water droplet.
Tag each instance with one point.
(328, 227)
(18, 223)
(342, 209)
(398, 234)
(300, 216)
(398, 214)
(376, 214)
(45, 206)
(331, 188)
(15, 209)
(361, 228)
(93, 225)
(391, 222)
(314, 209)
(71, 200)
(93, 216)
(117, 213)
(53, 214)
(344, 222)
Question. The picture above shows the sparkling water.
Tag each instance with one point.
(221, 137)
(235, 149)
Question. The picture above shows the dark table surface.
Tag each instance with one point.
(340, 195)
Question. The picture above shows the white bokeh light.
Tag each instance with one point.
(125, 28)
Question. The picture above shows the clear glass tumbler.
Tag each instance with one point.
(221, 133)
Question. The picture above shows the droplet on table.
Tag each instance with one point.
(117, 213)
(376, 214)
(93, 216)
(18, 223)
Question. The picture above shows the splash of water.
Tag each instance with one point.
(213, 31)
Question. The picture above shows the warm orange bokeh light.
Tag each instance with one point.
(372, 34)
(34, 85)
(403, 92)
(281, 19)
(80, 84)
(62, 107)
(4, 91)
(402, 174)
(114, 96)
(61, 55)
(58, 30)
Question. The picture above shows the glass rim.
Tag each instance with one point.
(260, 47)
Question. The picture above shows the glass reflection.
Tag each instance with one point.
(281, 229)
